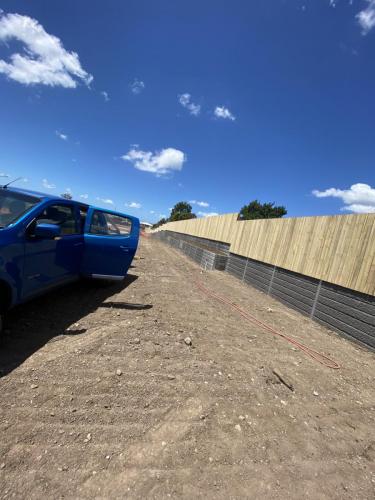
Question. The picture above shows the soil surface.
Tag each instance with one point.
(101, 397)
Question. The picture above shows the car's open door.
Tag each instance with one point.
(110, 242)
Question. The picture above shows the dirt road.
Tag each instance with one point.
(100, 396)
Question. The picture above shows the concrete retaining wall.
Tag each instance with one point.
(208, 254)
(346, 311)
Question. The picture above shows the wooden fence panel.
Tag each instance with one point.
(339, 249)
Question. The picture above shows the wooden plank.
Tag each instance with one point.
(338, 249)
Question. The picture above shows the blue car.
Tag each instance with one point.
(47, 241)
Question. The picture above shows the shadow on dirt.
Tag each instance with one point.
(126, 305)
(30, 326)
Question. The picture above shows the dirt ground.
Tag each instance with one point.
(100, 396)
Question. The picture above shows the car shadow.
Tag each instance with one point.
(30, 326)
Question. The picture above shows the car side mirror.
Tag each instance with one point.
(47, 231)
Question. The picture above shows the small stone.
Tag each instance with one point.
(163, 443)
(269, 310)
(238, 428)
(2, 466)
(230, 375)
(171, 377)
(241, 417)
(136, 341)
(188, 341)
(52, 414)
(118, 372)
(107, 457)
(88, 438)
(316, 393)
(34, 386)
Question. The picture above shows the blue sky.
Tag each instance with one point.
(146, 103)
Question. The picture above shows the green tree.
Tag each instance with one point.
(159, 223)
(67, 196)
(181, 211)
(257, 210)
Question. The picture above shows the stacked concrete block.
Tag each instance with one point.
(209, 255)
(341, 309)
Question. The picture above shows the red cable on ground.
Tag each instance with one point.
(315, 355)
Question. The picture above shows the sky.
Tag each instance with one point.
(135, 105)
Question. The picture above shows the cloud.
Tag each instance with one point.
(108, 201)
(62, 136)
(199, 203)
(105, 95)
(3, 174)
(366, 17)
(159, 163)
(223, 112)
(207, 214)
(137, 86)
(152, 211)
(48, 185)
(359, 198)
(43, 60)
(133, 204)
(185, 101)
(84, 196)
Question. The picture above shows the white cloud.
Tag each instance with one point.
(366, 17)
(84, 196)
(48, 185)
(105, 95)
(359, 198)
(207, 214)
(3, 174)
(160, 162)
(108, 201)
(185, 101)
(152, 211)
(62, 136)
(137, 86)
(133, 204)
(44, 59)
(200, 203)
(223, 112)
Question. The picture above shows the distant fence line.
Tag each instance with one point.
(338, 249)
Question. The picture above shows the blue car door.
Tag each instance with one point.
(49, 262)
(111, 240)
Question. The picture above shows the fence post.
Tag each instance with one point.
(271, 280)
(316, 299)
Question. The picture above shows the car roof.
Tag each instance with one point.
(38, 194)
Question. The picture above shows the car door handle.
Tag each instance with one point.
(124, 249)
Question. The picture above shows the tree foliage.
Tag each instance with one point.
(181, 211)
(67, 196)
(257, 210)
(159, 223)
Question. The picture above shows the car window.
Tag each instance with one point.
(110, 224)
(82, 217)
(14, 205)
(61, 215)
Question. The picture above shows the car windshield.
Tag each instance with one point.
(13, 205)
